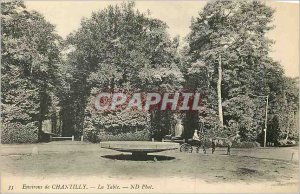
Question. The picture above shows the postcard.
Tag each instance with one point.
(149, 96)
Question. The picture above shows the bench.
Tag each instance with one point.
(61, 138)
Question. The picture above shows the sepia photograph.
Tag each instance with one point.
(144, 96)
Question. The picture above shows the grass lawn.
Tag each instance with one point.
(67, 159)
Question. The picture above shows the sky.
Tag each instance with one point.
(66, 16)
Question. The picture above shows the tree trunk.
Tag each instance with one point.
(219, 92)
(43, 109)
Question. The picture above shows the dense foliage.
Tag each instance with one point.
(229, 37)
(119, 48)
(30, 57)
(225, 57)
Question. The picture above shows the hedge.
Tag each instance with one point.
(91, 136)
(17, 133)
(95, 136)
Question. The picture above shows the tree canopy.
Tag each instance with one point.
(225, 57)
(30, 51)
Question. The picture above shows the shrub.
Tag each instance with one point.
(18, 133)
(143, 135)
(284, 142)
(116, 126)
(91, 136)
(95, 136)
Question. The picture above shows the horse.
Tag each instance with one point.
(228, 142)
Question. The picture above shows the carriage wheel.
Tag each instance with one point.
(186, 148)
(183, 147)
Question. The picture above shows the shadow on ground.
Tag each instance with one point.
(138, 158)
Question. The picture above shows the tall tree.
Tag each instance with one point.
(229, 37)
(118, 48)
(30, 59)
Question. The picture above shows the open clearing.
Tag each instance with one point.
(69, 159)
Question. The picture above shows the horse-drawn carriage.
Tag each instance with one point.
(197, 142)
(187, 145)
(200, 140)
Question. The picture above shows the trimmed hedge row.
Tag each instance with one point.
(95, 136)
(17, 133)
(143, 135)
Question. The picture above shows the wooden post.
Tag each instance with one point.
(72, 137)
(81, 139)
(266, 118)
